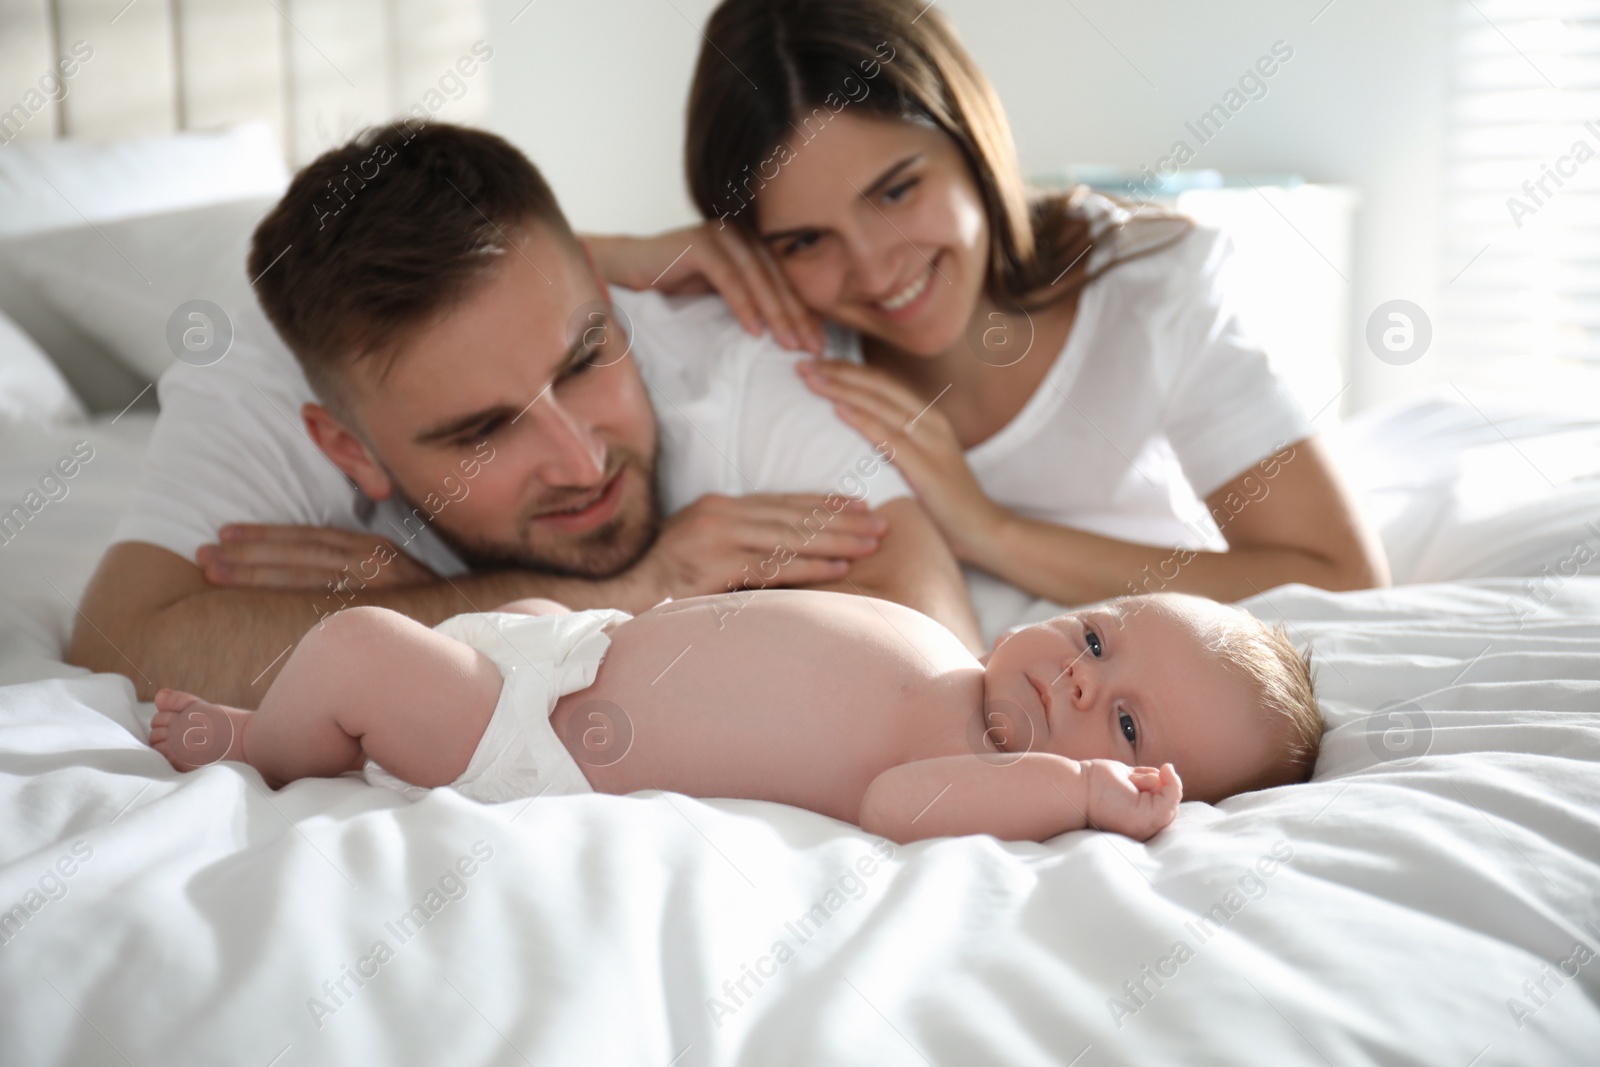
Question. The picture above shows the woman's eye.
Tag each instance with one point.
(803, 243)
(1125, 724)
(898, 192)
(1092, 639)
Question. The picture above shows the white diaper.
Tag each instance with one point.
(543, 658)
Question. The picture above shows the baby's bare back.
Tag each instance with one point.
(796, 696)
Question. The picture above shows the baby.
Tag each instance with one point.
(857, 708)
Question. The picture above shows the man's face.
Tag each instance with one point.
(517, 421)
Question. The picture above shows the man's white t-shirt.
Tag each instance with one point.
(734, 419)
(1158, 398)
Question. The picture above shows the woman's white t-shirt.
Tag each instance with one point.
(1158, 398)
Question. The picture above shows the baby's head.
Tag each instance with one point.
(1160, 678)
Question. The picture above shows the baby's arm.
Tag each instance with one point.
(365, 683)
(1023, 797)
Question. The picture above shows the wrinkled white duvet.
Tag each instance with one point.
(1432, 897)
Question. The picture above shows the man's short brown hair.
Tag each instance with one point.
(380, 235)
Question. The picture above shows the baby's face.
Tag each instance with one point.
(1130, 681)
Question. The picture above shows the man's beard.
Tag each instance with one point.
(603, 552)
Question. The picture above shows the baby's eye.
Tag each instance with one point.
(1125, 724)
(1092, 639)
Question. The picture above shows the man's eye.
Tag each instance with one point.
(481, 433)
(1092, 639)
(1125, 724)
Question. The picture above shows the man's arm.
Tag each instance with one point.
(913, 566)
(150, 614)
(1027, 796)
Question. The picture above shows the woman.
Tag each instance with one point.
(1062, 381)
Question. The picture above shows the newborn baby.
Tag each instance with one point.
(857, 708)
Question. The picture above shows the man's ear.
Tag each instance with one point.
(347, 451)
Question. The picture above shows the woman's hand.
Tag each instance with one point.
(712, 257)
(924, 448)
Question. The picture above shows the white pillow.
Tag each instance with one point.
(120, 283)
(48, 184)
(72, 483)
(31, 388)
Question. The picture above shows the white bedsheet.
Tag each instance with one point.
(1479, 487)
(1447, 854)
(204, 912)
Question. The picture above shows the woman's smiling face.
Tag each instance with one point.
(878, 225)
(1133, 681)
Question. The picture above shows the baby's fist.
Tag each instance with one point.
(1134, 801)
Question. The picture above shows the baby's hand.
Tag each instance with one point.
(1133, 801)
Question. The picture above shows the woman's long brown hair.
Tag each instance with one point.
(772, 73)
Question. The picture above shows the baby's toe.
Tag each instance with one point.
(172, 701)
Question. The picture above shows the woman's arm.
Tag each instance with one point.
(1290, 518)
(1027, 796)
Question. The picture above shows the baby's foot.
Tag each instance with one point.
(194, 733)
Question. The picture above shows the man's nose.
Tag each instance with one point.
(570, 452)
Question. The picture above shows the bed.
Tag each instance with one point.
(1432, 897)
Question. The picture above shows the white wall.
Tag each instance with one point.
(595, 91)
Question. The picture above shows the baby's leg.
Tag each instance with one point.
(367, 683)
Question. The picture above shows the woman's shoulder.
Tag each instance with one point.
(1153, 248)
(1152, 279)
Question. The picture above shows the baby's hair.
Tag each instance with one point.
(1281, 677)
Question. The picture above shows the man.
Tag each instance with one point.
(474, 426)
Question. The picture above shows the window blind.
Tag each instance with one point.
(1522, 256)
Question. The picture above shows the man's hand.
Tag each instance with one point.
(787, 539)
(1136, 802)
(714, 544)
(306, 557)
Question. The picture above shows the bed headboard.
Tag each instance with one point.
(317, 70)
